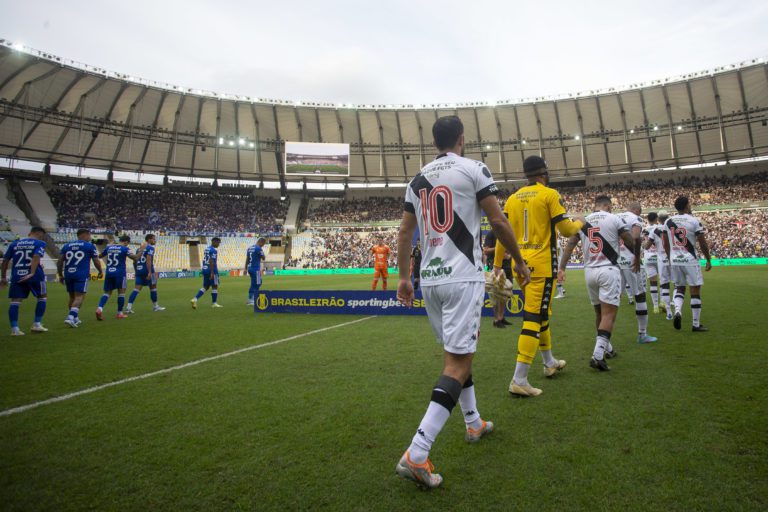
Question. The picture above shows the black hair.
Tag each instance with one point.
(150, 235)
(125, 238)
(215, 239)
(37, 229)
(602, 199)
(446, 132)
(652, 216)
(83, 231)
(681, 202)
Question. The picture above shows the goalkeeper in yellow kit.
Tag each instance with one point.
(535, 212)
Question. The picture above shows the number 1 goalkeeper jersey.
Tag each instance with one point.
(534, 212)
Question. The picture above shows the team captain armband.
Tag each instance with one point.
(490, 190)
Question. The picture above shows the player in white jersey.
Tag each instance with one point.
(445, 201)
(560, 284)
(651, 257)
(662, 259)
(629, 263)
(682, 232)
(600, 240)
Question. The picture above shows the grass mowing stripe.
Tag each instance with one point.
(93, 389)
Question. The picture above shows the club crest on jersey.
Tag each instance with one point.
(436, 268)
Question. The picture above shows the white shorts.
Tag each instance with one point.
(454, 312)
(663, 267)
(603, 285)
(687, 276)
(636, 285)
(651, 268)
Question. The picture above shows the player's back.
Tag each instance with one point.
(445, 197)
(631, 220)
(141, 266)
(116, 257)
(254, 257)
(600, 239)
(210, 255)
(533, 211)
(683, 230)
(77, 259)
(21, 252)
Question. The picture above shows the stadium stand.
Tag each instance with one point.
(339, 248)
(41, 205)
(337, 211)
(166, 211)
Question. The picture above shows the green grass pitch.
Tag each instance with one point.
(318, 422)
(310, 169)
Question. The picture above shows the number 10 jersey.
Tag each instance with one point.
(445, 197)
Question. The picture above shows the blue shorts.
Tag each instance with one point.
(255, 277)
(22, 290)
(115, 283)
(210, 281)
(146, 280)
(75, 285)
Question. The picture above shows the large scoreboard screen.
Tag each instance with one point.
(317, 159)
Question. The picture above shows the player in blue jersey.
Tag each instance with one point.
(253, 258)
(145, 276)
(27, 276)
(116, 274)
(74, 271)
(210, 271)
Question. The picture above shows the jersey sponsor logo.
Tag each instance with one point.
(436, 268)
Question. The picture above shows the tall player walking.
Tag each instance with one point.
(445, 200)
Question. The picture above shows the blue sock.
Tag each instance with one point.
(214, 295)
(134, 294)
(153, 296)
(103, 300)
(73, 312)
(200, 293)
(40, 310)
(13, 314)
(120, 303)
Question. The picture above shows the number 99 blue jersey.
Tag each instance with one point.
(21, 252)
(77, 259)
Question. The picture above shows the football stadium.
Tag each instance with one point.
(322, 276)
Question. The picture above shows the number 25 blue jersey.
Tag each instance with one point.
(21, 252)
(77, 259)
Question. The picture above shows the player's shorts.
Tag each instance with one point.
(255, 278)
(687, 275)
(538, 298)
(76, 285)
(628, 277)
(146, 280)
(115, 283)
(22, 290)
(454, 312)
(210, 281)
(382, 272)
(603, 285)
(664, 273)
(651, 267)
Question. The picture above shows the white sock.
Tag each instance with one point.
(679, 299)
(521, 374)
(696, 309)
(665, 295)
(431, 425)
(641, 312)
(654, 295)
(601, 346)
(549, 360)
(468, 404)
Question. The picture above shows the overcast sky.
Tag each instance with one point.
(393, 51)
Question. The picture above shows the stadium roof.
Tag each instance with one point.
(61, 112)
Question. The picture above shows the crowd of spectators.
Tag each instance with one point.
(165, 211)
(653, 194)
(356, 210)
(344, 249)
(736, 234)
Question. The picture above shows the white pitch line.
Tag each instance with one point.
(33, 405)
